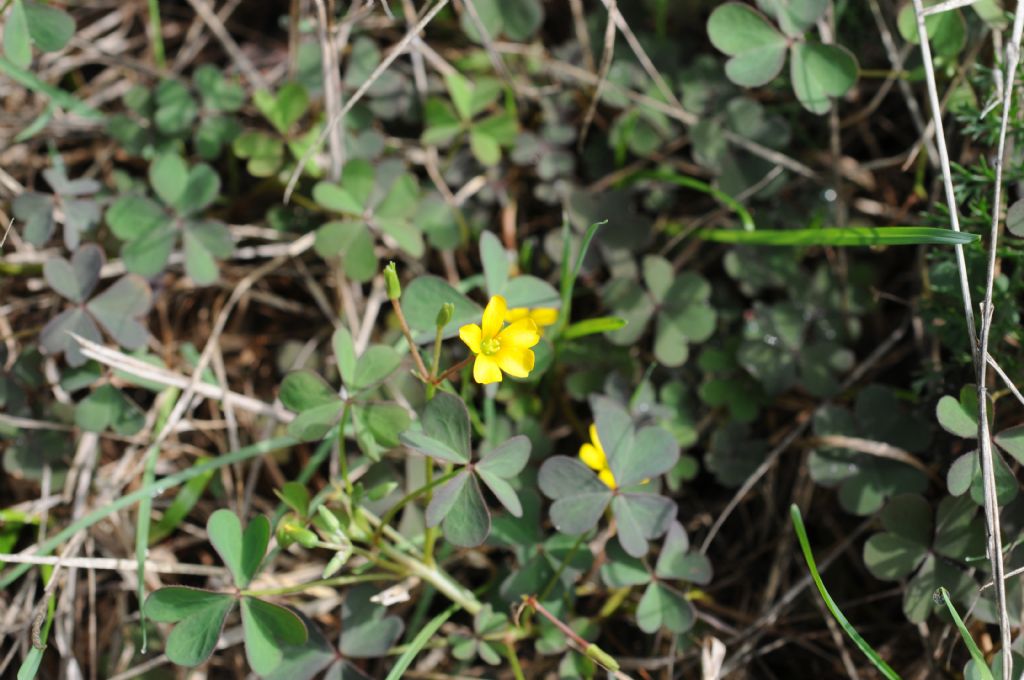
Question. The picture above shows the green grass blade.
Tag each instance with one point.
(691, 183)
(571, 273)
(418, 642)
(843, 238)
(979, 658)
(62, 98)
(150, 490)
(805, 546)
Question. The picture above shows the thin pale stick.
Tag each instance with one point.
(383, 66)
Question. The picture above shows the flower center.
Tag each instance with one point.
(490, 346)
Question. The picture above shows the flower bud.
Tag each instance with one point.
(394, 287)
(444, 315)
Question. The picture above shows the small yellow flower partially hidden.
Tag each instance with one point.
(592, 454)
(500, 349)
(542, 316)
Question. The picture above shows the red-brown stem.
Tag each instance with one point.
(413, 349)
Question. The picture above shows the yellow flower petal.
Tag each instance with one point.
(544, 316)
(516, 313)
(494, 316)
(607, 477)
(522, 334)
(515, 361)
(594, 438)
(593, 457)
(485, 370)
(471, 334)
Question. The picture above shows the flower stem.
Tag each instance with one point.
(452, 370)
(413, 348)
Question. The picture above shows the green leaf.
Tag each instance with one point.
(175, 108)
(947, 31)
(621, 569)
(107, 407)
(529, 291)
(314, 423)
(495, 262)
(601, 324)
(890, 557)
(120, 310)
(168, 175)
(75, 280)
(676, 562)
(521, 18)
(344, 353)
(367, 629)
(303, 390)
(50, 27)
(174, 603)
(653, 451)
(956, 417)
(1011, 440)
(503, 491)
(580, 497)
(459, 507)
(461, 92)
(425, 295)
(848, 237)
(205, 242)
(285, 108)
(200, 617)
(909, 516)
(489, 13)
(428, 446)
(296, 497)
(446, 419)
(639, 517)
(264, 154)
(820, 72)
(508, 459)
(240, 552)
(796, 17)
(267, 628)
(131, 217)
(1015, 218)
(201, 188)
(55, 338)
(661, 605)
(16, 36)
(757, 50)
(35, 212)
(219, 93)
(375, 366)
(352, 243)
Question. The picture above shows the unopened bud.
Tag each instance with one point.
(394, 287)
(444, 316)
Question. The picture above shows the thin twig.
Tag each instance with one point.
(246, 67)
(602, 74)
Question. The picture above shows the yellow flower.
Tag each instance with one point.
(500, 349)
(592, 454)
(542, 316)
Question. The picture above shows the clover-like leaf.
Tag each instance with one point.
(445, 419)
(120, 309)
(422, 299)
(959, 416)
(367, 629)
(75, 280)
(502, 463)
(820, 73)
(284, 108)
(580, 498)
(242, 552)
(459, 507)
(267, 628)
(640, 517)
(756, 49)
(352, 243)
(107, 407)
(199, 617)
